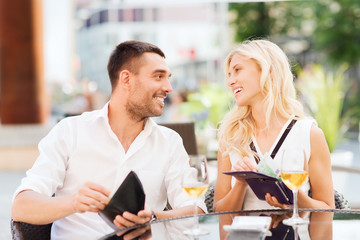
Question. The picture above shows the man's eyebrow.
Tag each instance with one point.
(161, 71)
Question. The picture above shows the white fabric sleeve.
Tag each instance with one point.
(178, 166)
(48, 172)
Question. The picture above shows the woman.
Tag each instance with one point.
(259, 75)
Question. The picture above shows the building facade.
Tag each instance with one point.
(192, 35)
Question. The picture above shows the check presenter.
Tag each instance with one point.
(85, 158)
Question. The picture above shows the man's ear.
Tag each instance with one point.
(124, 78)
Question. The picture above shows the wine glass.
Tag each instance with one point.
(294, 173)
(195, 183)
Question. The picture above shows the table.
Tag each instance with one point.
(324, 224)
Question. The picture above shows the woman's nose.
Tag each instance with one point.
(230, 81)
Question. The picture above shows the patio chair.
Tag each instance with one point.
(26, 231)
(187, 132)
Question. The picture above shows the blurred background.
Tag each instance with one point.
(53, 58)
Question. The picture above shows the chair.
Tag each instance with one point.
(209, 198)
(187, 132)
(340, 201)
(26, 231)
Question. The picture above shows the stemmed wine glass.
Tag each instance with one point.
(294, 173)
(195, 183)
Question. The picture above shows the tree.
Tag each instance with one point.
(332, 27)
(264, 19)
(337, 30)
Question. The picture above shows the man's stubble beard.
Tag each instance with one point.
(139, 112)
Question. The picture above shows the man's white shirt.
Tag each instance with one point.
(84, 148)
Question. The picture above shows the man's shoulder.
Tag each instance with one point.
(167, 134)
(85, 116)
(166, 131)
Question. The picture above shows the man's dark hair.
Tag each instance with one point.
(124, 55)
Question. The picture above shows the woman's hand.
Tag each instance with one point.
(245, 164)
(271, 200)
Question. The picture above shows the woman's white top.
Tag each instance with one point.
(298, 136)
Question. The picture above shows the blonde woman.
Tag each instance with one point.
(259, 75)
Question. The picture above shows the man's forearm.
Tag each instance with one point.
(32, 207)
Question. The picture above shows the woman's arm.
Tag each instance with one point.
(319, 174)
(321, 225)
(227, 198)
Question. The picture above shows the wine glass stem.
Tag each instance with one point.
(296, 234)
(196, 221)
(295, 208)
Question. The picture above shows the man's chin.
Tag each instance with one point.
(158, 114)
(155, 113)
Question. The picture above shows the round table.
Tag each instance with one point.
(323, 224)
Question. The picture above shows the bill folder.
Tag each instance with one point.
(262, 184)
(128, 197)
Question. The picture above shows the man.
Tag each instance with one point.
(85, 158)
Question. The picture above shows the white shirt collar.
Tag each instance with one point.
(103, 114)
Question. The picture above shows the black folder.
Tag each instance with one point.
(128, 197)
(262, 184)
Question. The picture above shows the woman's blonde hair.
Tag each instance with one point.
(276, 83)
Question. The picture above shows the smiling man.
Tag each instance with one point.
(85, 158)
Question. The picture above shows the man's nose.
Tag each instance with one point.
(167, 87)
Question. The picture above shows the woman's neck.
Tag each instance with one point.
(259, 115)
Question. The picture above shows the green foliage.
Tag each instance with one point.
(206, 106)
(338, 30)
(331, 26)
(252, 20)
(324, 95)
(264, 19)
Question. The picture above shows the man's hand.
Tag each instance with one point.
(91, 197)
(128, 219)
(141, 233)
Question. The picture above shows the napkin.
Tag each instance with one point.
(248, 227)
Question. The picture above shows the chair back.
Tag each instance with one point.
(187, 132)
(26, 231)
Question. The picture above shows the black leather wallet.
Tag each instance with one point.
(128, 197)
(262, 184)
